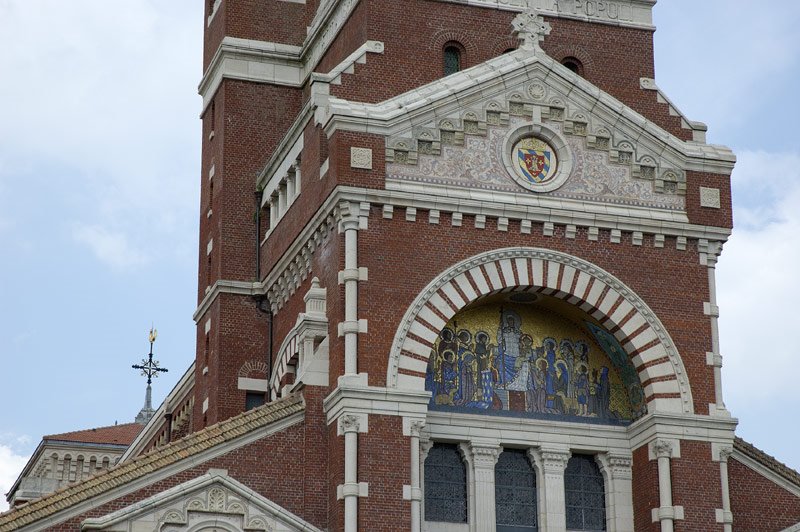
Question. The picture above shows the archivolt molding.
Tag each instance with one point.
(251, 366)
(581, 283)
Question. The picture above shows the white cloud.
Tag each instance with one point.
(11, 465)
(105, 119)
(758, 283)
(112, 248)
(737, 66)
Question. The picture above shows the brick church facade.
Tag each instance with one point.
(456, 273)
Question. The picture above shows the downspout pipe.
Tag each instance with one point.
(261, 300)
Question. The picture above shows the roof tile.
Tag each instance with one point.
(142, 465)
(750, 450)
(115, 434)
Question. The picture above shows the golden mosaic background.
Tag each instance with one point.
(459, 368)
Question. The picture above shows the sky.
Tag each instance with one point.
(99, 195)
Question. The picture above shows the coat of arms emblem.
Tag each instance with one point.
(535, 160)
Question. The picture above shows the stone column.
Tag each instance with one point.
(484, 457)
(553, 462)
(425, 446)
(618, 475)
(290, 192)
(714, 358)
(413, 492)
(663, 450)
(282, 204)
(724, 515)
(350, 425)
(273, 212)
(349, 224)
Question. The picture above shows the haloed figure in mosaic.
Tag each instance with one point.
(540, 365)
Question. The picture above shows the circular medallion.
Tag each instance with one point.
(535, 161)
(537, 157)
(537, 91)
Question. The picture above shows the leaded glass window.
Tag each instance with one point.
(452, 60)
(585, 494)
(445, 485)
(515, 492)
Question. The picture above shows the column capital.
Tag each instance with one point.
(413, 426)
(617, 465)
(711, 250)
(664, 448)
(554, 460)
(721, 452)
(348, 215)
(351, 423)
(484, 455)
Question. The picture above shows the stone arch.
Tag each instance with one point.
(462, 39)
(594, 290)
(254, 369)
(580, 53)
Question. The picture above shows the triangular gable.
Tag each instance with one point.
(213, 498)
(767, 466)
(455, 133)
(159, 464)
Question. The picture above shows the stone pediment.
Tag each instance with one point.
(214, 499)
(457, 135)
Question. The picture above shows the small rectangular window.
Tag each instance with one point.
(253, 400)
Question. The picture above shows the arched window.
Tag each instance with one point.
(585, 494)
(452, 59)
(573, 64)
(445, 485)
(515, 492)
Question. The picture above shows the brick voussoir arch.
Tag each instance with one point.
(581, 283)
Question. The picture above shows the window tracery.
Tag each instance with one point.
(585, 497)
(452, 59)
(515, 492)
(445, 485)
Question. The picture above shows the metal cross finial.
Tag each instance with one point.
(149, 366)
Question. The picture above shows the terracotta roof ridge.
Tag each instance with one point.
(766, 460)
(158, 458)
(92, 429)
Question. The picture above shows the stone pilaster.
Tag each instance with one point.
(484, 457)
(664, 450)
(553, 463)
(618, 474)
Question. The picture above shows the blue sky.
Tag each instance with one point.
(99, 174)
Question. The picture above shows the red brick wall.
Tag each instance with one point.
(261, 20)
(384, 462)
(401, 264)
(288, 468)
(414, 33)
(696, 486)
(759, 505)
(250, 121)
(645, 490)
(722, 217)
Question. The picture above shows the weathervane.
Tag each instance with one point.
(150, 370)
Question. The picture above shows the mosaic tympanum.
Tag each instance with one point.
(521, 359)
